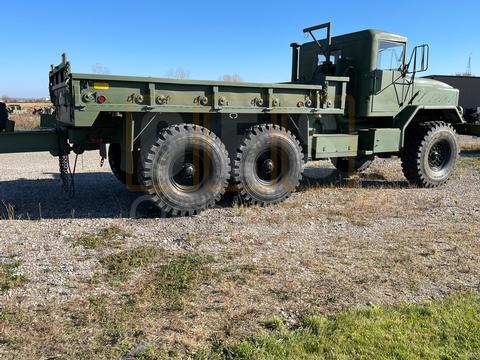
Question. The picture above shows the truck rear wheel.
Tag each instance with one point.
(268, 165)
(186, 170)
(353, 165)
(430, 154)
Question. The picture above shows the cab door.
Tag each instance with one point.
(389, 84)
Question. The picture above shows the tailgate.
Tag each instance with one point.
(61, 91)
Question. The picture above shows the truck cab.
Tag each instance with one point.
(382, 77)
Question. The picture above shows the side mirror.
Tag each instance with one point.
(419, 60)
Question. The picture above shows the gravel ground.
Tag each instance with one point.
(370, 240)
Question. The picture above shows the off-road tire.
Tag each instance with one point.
(186, 170)
(263, 148)
(352, 165)
(430, 153)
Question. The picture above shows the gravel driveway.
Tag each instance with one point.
(370, 240)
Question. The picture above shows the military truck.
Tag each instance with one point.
(15, 109)
(351, 98)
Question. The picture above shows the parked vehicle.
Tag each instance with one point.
(469, 93)
(350, 98)
(15, 109)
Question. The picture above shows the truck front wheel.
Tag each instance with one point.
(186, 170)
(268, 165)
(429, 154)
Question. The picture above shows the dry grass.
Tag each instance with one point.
(468, 164)
(33, 105)
(7, 211)
(173, 304)
(109, 326)
(363, 206)
(25, 121)
(470, 144)
(360, 206)
(373, 241)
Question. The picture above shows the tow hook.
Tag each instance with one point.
(103, 153)
(102, 147)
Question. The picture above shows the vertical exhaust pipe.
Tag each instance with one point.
(295, 61)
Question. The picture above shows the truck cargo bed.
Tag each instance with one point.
(79, 98)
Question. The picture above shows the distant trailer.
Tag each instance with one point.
(469, 87)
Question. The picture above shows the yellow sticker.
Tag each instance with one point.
(101, 86)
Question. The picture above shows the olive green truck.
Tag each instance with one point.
(183, 142)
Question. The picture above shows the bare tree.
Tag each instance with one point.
(99, 68)
(178, 73)
(231, 78)
(464, 74)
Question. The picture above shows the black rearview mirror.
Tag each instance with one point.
(419, 59)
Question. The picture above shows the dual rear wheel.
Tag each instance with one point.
(188, 168)
(268, 165)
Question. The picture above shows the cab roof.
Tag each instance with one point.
(370, 33)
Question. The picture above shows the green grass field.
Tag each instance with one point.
(442, 329)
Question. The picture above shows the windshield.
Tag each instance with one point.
(390, 55)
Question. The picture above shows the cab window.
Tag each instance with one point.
(390, 55)
(335, 56)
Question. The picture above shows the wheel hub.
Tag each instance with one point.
(438, 156)
(268, 166)
(189, 170)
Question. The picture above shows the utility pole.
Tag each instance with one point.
(469, 66)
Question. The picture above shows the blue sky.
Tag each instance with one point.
(212, 38)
